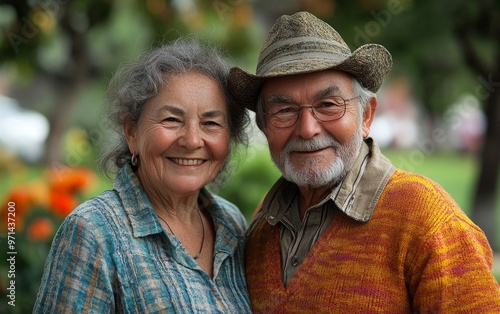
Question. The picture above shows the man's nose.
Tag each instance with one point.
(307, 125)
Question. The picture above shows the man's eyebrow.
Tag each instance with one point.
(280, 99)
(332, 90)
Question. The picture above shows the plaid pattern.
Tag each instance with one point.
(111, 255)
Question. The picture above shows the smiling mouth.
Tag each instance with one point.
(309, 151)
(187, 162)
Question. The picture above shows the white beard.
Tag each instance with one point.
(311, 175)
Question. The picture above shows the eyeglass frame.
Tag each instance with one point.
(313, 112)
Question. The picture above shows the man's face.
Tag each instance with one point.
(313, 153)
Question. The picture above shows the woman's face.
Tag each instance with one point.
(182, 138)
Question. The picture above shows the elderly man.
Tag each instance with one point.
(343, 230)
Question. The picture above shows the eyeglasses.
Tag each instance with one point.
(325, 110)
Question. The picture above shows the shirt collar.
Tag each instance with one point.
(139, 209)
(141, 214)
(359, 192)
(356, 195)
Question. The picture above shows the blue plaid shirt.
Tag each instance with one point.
(112, 255)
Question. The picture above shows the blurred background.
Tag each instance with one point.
(438, 115)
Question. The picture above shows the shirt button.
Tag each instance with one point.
(295, 261)
(271, 217)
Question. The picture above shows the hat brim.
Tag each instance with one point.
(369, 64)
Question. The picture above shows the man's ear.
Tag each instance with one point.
(368, 115)
(130, 130)
(260, 125)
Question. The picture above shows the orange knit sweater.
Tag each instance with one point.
(419, 253)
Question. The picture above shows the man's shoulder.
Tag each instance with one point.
(416, 195)
(414, 183)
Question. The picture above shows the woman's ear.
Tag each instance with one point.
(130, 130)
(368, 115)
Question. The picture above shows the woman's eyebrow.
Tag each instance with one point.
(181, 112)
(172, 109)
(214, 114)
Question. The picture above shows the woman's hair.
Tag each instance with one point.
(135, 83)
(358, 90)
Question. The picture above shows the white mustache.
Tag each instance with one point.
(311, 144)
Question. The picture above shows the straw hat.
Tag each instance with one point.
(302, 43)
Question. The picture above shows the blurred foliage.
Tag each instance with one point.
(31, 214)
(66, 51)
(43, 35)
(252, 178)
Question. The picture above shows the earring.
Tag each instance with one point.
(134, 160)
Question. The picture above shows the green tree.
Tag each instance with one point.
(35, 28)
(251, 180)
(71, 45)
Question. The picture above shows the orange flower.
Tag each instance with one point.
(62, 202)
(22, 200)
(21, 197)
(58, 194)
(39, 192)
(72, 180)
(40, 230)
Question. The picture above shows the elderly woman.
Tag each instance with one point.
(159, 241)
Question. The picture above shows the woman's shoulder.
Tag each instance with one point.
(97, 205)
(95, 224)
(104, 212)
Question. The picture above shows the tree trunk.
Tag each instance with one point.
(484, 206)
(61, 114)
(488, 92)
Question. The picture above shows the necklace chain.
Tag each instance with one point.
(202, 238)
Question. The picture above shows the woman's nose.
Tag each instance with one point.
(191, 138)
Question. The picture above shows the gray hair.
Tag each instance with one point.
(135, 83)
(358, 89)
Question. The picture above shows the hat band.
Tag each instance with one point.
(301, 49)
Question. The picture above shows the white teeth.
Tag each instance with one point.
(188, 162)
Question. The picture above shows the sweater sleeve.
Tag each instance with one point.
(76, 276)
(451, 271)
